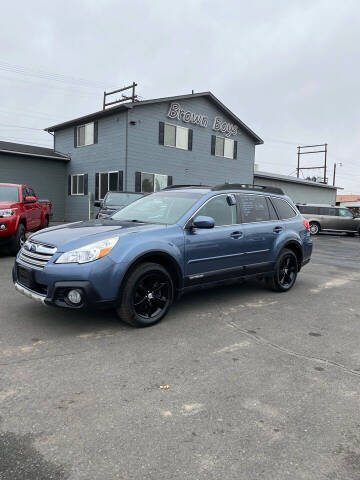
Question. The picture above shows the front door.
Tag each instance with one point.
(346, 220)
(214, 252)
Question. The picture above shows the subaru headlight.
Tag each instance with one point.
(89, 253)
(7, 212)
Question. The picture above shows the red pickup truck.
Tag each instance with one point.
(21, 211)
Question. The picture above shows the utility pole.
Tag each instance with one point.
(334, 174)
(303, 150)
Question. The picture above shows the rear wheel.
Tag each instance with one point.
(286, 270)
(314, 228)
(350, 234)
(17, 240)
(147, 296)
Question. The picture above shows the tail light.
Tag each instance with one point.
(306, 224)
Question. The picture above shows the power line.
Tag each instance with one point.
(46, 75)
(29, 142)
(20, 126)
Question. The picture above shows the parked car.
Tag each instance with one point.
(114, 201)
(143, 257)
(21, 211)
(328, 218)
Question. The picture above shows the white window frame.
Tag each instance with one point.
(99, 184)
(154, 174)
(176, 129)
(225, 139)
(77, 135)
(78, 175)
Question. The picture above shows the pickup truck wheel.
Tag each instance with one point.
(314, 228)
(286, 270)
(45, 223)
(17, 240)
(147, 296)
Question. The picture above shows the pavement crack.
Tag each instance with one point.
(263, 341)
(32, 359)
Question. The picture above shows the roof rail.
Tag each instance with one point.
(185, 186)
(245, 186)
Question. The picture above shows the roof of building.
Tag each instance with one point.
(31, 151)
(347, 198)
(129, 105)
(288, 178)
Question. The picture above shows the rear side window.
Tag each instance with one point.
(283, 208)
(272, 211)
(254, 208)
(308, 209)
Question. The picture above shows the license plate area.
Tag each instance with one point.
(25, 277)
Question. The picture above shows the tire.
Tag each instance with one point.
(46, 222)
(147, 295)
(314, 228)
(350, 234)
(283, 281)
(17, 240)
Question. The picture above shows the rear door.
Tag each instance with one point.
(213, 253)
(328, 218)
(261, 226)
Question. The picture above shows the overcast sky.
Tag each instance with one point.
(289, 69)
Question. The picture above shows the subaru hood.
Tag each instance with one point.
(75, 235)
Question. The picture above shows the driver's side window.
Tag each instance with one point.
(345, 213)
(219, 209)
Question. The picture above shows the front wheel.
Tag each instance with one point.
(286, 270)
(17, 240)
(45, 222)
(147, 295)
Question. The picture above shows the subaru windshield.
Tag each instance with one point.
(115, 199)
(162, 207)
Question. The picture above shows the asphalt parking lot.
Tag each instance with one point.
(237, 383)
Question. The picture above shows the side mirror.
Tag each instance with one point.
(30, 199)
(203, 222)
(98, 204)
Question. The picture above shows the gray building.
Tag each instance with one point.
(299, 190)
(38, 167)
(147, 145)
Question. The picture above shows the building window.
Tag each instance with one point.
(175, 136)
(224, 147)
(77, 184)
(107, 181)
(85, 134)
(151, 182)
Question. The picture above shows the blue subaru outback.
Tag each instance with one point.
(144, 256)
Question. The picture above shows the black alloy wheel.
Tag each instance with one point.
(285, 274)
(147, 295)
(287, 271)
(151, 295)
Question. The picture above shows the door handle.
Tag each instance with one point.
(236, 235)
(277, 229)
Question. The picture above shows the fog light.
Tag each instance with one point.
(75, 297)
(2, 226)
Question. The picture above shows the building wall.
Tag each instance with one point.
(198, 166)
(300, 193)
(145, 154)
(106, 155)
(46, 176)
